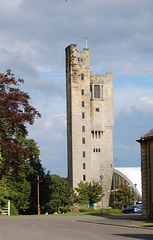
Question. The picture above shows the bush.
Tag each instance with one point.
(51, 210)
(64, 209)
(86, 210)
(116, 211)
(13, 210)
(107, 211)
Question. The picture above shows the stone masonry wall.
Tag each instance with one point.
(90, 121)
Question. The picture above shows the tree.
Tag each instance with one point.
(94, 192)
(15, 113)
(22, 188)
(35, 168)
(82, 194)
(1, 159)
(87, 193)
(3, 193)
(19, 192)
(58, 197)
(124, 196)
(15, 163)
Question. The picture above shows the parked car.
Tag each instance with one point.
(133, 209)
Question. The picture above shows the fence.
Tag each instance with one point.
(6, 209)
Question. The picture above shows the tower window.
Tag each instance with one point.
(83, 128)
(78, 59)
(84, 166)
(82, 92)
(91, 95)
(83, 115)
(102, 92)
(97, 109)
(92, 132)
(96, 150)
(84, 177)
(82, 76)
(82, 103)
(96, 91)
(83, 154)
(83, 140)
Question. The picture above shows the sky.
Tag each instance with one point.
(33, 38)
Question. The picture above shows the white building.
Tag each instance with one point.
(130, 176)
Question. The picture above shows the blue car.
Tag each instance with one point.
(133, 209)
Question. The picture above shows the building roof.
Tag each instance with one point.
(147, 136)
(133, 174)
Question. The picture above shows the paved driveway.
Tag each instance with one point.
(65, 228)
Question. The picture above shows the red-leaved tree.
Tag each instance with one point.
(15, 113)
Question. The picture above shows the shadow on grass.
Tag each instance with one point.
(125, 219)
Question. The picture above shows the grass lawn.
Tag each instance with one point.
(145, 223)
(83, 212)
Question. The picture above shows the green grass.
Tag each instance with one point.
(82, 212)
(144, 223)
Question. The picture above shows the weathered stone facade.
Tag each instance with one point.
(90, 121)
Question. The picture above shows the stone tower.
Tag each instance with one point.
(90, 121)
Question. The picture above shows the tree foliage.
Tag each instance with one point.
(3, 193)
(19, 157)
(19, 192)
(35, 168)
(15, 113)
(86, 193)
(124, 196)
(58, 196)
(22, 188)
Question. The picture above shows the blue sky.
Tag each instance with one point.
(34, 35)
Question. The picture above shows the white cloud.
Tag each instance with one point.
(134, 99)
(122, 69)
(144, 104)
(34, 34)
(50, 133)
(10, 6)
(133, 119)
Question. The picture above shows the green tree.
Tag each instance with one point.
(35, 168)
(1, 159)
(72, 197)
(87, 193)
(94, 192)
(82, 194)
(22, 188)
(58, 196)
(3, 193)
(124, 196)
(19, 192)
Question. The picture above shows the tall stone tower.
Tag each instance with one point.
(90, 121)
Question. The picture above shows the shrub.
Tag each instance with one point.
(107, 211)
(13, 210)
(64, 209)
(86, 210)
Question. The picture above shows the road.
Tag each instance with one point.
(65, 228)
